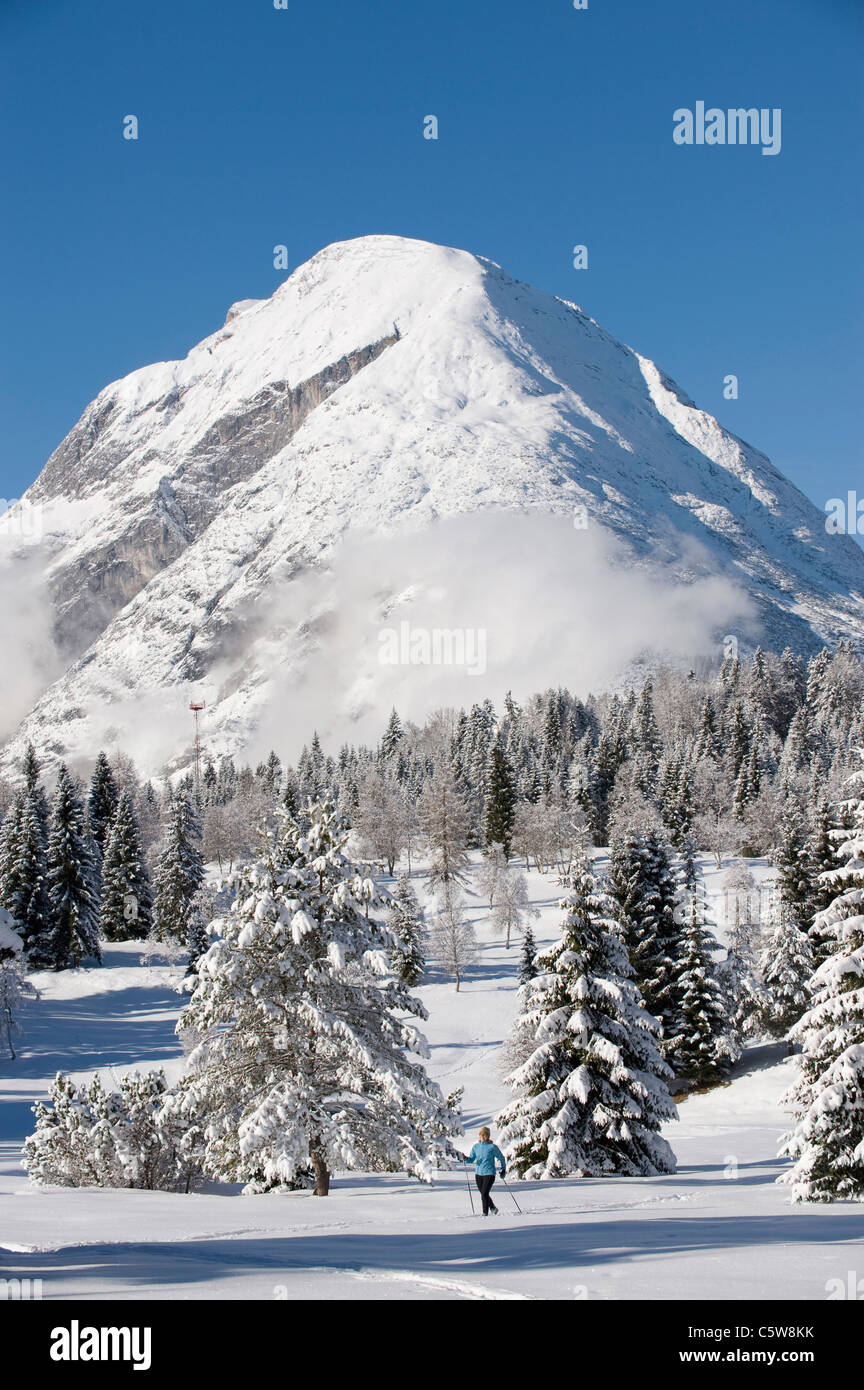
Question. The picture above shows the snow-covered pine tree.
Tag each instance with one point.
(738, 738)
(708, 741)
(786, 967)
(392, 736)
(827, 1143)
(15, 988)
(793, 865)
(644, 894)
(592, 1095)
(676, 791)
(582, 795)
(304, 1054)
(500, 807)
(406, 923)
(270, 776)
(202, 911)
(179, 876)
(127, 900)
(24, 870)
(8, 833)
(62, 1149)
(90, 1137)
(528, 963)
(72, 888)
(646, 741)
(102, 800)
(290, 799)
(698, 1047)
(822, 856)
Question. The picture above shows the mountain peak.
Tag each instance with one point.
(388, 385)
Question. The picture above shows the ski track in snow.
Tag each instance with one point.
(476, 1291)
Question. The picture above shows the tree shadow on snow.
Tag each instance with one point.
(517, 1248)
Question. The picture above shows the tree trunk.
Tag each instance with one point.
(322, 1174)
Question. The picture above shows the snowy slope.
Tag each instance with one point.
(718, 1228)
(387, 385)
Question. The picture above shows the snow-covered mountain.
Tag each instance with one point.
(228, 525)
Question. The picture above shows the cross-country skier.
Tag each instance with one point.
(484, 1154)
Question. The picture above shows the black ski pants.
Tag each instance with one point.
(484, 1183)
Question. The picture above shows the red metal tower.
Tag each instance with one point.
(196, 708)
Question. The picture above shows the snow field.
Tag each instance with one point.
(718, 1228)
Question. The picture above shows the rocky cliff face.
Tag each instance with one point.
(150, 531)
(388, 385)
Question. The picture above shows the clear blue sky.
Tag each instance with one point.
(261, 126)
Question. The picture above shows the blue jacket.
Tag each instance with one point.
(484, 1155)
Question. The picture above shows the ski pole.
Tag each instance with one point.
(512, 1198)
(470, 1193)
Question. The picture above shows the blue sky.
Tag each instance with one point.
(304, 126)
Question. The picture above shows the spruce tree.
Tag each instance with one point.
(593, 1093)
(179, 876)
(821, 852)
(708, 741)
(392, 735)
(500, 809)
(304, 1054)
(127, 900)
(646, 741)
(738, 739)
(15, 988)
(102, 801)
(72, 887)
(30, 767)
(786, 967)
(10, 843)
(24, 872)
(406, 923)
(644, 895)
(792, 859)
(827, 1143)
(528, 964)
(698, 1048)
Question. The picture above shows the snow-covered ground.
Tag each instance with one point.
(719, 1228)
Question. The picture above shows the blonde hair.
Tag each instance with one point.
(485, 1132)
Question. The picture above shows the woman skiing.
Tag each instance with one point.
(484, 1154)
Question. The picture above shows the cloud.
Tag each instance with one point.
(30, 658)
(537, 602)
(516, 600)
